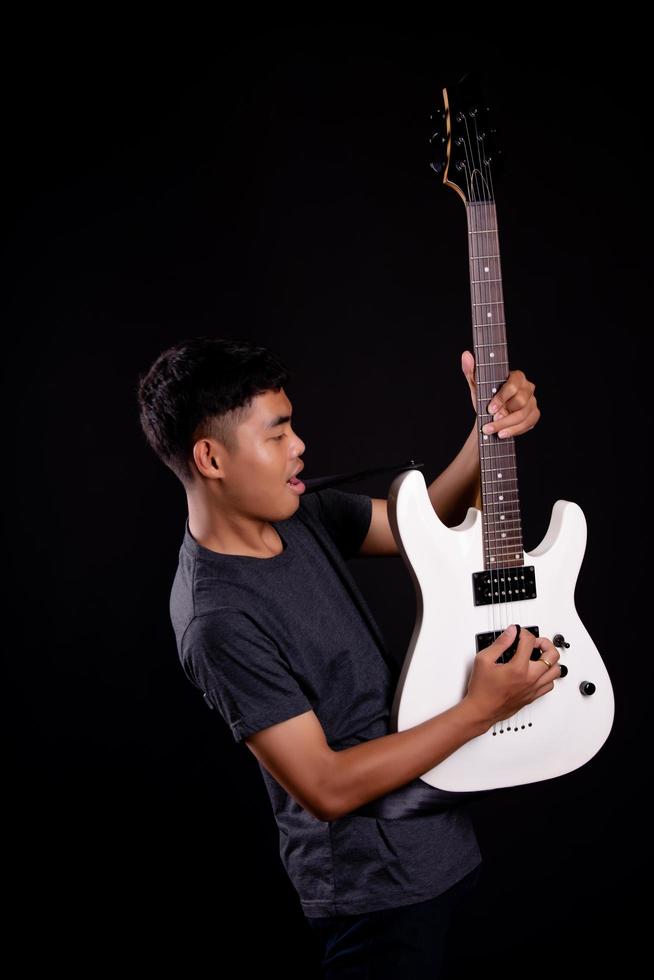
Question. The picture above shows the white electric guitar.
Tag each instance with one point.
(475, 579)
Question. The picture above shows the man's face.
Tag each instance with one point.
(268, 452)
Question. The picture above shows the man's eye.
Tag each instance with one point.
(280, 437)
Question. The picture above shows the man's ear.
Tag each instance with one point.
(203, 447)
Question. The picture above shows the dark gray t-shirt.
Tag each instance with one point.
(266, 639)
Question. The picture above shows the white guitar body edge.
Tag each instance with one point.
(553, 735)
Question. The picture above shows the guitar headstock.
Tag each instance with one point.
(464, 145)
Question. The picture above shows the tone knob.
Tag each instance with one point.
(587, 687)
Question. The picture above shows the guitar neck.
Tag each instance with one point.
(502, 527)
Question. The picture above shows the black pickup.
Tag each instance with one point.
(511, 584)
(484, 640)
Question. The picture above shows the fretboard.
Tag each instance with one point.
(502, 528)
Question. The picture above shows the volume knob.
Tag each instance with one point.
(587, 687)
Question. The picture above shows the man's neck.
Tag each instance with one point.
(225, 537)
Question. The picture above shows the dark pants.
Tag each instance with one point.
(390, 944)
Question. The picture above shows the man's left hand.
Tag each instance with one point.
(513, 407)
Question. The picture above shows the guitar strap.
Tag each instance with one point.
(416, 797)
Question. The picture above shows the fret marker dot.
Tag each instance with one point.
(492, 354)
(501, 496)
(499, 476)
(489, 315)
(485, 268)
(503, 534)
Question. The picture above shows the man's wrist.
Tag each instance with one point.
(472, 717)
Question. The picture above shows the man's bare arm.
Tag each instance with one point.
(331, 783)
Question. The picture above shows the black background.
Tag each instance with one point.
(273, 183)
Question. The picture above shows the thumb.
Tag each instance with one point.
(502, 643)
(468, 365)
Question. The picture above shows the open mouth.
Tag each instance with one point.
(296, 485)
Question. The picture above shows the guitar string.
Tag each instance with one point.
(507, 565)
(478, 179)
(481, 337)
(517, 612)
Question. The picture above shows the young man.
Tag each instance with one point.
(271, 627)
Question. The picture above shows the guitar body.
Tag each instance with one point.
(556, 733)
(474, 580)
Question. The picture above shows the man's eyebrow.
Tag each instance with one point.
(279, 420)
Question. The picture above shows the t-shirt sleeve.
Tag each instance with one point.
(346, 516)
(241, 672)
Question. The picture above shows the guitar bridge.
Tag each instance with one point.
(504, 585)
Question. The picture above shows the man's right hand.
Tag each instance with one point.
(496, 691)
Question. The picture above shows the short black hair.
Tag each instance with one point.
(203, 386)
